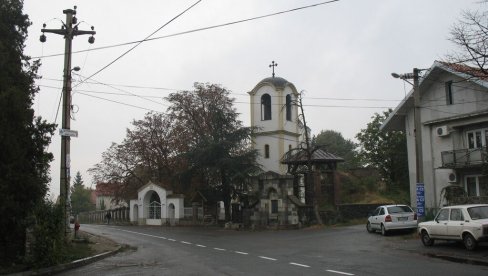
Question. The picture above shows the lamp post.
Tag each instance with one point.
(419, 169)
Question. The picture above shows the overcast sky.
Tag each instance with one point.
(341, 54)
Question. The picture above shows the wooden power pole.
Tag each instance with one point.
(69, 30)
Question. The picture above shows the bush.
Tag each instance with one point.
(48, 245)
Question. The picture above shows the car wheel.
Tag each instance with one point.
(369, 228)
(383, 230)
(469, 242)
(426, 240)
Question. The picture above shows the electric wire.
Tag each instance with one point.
(140, 42)
(202, 29)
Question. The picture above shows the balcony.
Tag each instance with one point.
(464, 158)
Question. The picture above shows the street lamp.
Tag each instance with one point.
(419, 170)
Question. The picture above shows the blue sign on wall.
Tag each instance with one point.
(420, 199)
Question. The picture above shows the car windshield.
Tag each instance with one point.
(480, 212)
(399, 209)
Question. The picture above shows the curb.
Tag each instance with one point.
(74, 264)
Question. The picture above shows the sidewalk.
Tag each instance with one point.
(101, 246)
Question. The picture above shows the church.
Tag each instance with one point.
(278, 198)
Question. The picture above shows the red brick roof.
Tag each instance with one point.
(106, 189)
(472, 71)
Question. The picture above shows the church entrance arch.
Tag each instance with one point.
(152, 208)
(154, 211)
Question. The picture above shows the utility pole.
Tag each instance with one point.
(419, 168)
(418, 128)
(69, 30)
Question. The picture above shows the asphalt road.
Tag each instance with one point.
(214, 251)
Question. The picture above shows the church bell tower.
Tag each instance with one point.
(275, 115)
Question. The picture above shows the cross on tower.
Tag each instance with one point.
(273, 65)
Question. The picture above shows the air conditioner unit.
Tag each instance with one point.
(451, 177)
(442, 131)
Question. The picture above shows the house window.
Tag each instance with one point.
(288, 107)
(266, 151)
(477, 185)
(274, 206)
(449, 92)
(289, 147)
(266, 107)
(477, 138)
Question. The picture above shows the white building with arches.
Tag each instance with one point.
(156, 206)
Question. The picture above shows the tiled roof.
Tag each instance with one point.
(472, 71)
(106, 189)
(318, 156)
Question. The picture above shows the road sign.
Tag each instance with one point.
(420, 189)
(68, 132)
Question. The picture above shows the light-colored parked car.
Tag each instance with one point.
(391, 217)
(467, 223)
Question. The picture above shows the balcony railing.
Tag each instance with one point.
(463, 158)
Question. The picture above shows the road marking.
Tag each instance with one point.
(297, 264)
(240, 252)
(171, 240)
(199, 245)
(220, 249)
(339, 272)
(185, 242)
(267, 258)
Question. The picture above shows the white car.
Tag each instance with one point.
(467, 223)
(391, 217)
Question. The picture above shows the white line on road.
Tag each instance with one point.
(199, 245)
(297, 264)
(185, 242)
(242, 253)
(171, 240)
(220, 249)
(339, 272)
(267, 258)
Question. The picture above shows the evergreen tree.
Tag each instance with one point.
(24, 163)
(80, 196)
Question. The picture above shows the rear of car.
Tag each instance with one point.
(400, 217)
(392, 217)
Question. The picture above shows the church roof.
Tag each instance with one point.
(276, 81)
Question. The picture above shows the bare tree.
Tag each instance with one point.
(470, 35)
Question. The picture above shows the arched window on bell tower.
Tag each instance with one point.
(265, 107)
(288, 107)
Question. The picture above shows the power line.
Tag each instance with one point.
(113, 101)
(140, 42)
(198, 29)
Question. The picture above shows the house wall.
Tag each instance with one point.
(108, 203)
(468, 97)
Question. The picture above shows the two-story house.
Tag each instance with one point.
(454, 131)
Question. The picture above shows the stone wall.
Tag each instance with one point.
(355, 211)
